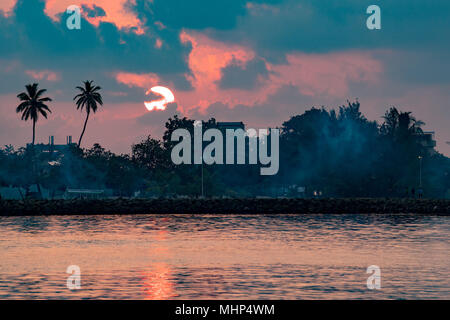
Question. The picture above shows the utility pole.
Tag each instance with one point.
(202, 180)
(420, 171)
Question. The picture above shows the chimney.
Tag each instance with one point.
(70, 139)
(52, 140)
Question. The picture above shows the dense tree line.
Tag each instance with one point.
(335, 153)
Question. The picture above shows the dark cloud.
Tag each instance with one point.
(33, 38)
(245, 77)
(194, 14)
(328, 25)
(93, 11)
(416, 67)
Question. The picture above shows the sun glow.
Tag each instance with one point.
(160, 104)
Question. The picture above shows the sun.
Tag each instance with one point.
(161, 104)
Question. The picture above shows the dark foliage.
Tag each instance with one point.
(337, 153)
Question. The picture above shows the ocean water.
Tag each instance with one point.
(225, 256)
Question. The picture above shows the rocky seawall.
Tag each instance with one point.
(224, 206)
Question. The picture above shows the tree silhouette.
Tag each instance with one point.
(151, 154)
(88, 99)
(32, 105)
(338, 152)
(400, 125)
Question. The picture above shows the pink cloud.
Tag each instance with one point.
(6, 6)
(206, 61)
(326, 74)
(43, 75)
(145, 81)
(315, 75)
(158, 44)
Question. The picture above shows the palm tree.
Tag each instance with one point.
(400, 124)
(88, 99)
(33, 104)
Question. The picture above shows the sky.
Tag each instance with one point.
(259, 62)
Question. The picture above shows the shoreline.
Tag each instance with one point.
(224, 206)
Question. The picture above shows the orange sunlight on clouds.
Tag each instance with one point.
(145, 81)
(7, 5)
(313, 74)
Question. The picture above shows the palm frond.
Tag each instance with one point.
(89, 97)
(23, 96)
(40, 92)
(31, 89)
(22, 106)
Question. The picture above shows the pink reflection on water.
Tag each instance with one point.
(224, 257)
(157, 283)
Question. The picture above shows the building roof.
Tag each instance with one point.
(238, 125)
(85, 191)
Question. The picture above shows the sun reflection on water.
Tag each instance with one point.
(157, 284)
